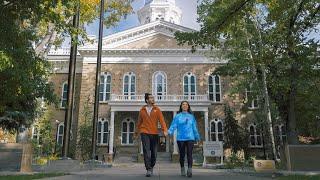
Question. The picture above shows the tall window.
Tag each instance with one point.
(216, 130)
(35, 133)
(127, 131)
(280, 138)
(129, 85)
(103, 131)
(105, 87)
(64, 95)
(159, 84)
(60, 134)
(214, 88)
(255, 136)
(280, 133)
(189, 85)
(252, 99)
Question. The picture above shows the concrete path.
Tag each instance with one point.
(161, 172)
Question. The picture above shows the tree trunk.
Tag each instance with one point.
(292, 125)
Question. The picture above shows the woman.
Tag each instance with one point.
(187, 134)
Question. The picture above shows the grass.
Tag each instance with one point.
(299, 177)
(34, 176)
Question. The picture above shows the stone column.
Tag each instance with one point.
(111, 137)
(206, 126)
(206, 135)
(175, 145)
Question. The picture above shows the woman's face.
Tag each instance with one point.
(185, 106)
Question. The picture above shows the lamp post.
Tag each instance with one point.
(98, 72)
(57, 131)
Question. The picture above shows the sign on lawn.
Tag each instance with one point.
(212, 149)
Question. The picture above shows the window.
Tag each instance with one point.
(60, 133)
(64, 95)
(35, 133)
(103, 131)
(127, 131)
(251, 101)
(255, 136)
(216, 130)
(189, 85)
(280, 133)
(214, 88)
(105, 87)
(159, 85)
(129, 85)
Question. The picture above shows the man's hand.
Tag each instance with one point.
(165, 133)
(136, 135)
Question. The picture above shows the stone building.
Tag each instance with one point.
(144, 59)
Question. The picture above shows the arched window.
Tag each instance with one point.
(64, 95)
(280, 133)
(60, 133)
(189, 85)
(105, 87)
(129, 85)
(159, 84)
(103, 131)
(127, 131)
(216, 130)
(35, 133)
(251, 98)
(255, 136)
(214, 88)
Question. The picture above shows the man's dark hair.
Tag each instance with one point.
(146, 97)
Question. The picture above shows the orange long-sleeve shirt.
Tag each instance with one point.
(149, 123)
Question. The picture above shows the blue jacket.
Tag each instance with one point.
(186, 126)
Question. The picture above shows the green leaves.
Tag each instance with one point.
(252, 33)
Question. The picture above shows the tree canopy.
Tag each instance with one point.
(257, 36)
(28, 29)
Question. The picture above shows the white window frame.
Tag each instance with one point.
(35, 135)
(103, 122)
(63, 90)
(254, 103)
(61, 125)
(130, 92)
(217, 132)
(188, 94)
(155, 83)
(128, 121)
(105, 84)
(214, 90)
(255, 135)
(281, 135)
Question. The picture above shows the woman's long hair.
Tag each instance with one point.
(189, 108)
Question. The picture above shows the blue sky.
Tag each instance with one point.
(189, 18)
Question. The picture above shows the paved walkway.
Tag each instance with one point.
(161, 172)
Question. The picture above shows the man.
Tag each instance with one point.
(148, 119)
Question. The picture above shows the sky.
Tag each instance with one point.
(189, 18)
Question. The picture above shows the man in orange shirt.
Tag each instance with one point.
(148, 119)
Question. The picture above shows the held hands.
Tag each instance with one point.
(165, 133)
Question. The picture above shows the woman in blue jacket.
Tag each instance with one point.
(187, 134)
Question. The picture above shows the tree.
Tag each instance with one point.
(263, 37)
(27, 31)
(235, 137)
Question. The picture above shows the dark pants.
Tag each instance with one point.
(149, 146)
(183, 145)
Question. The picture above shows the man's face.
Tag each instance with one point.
(150, 99)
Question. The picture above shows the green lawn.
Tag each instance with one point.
(299, 177)
(27, 177)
